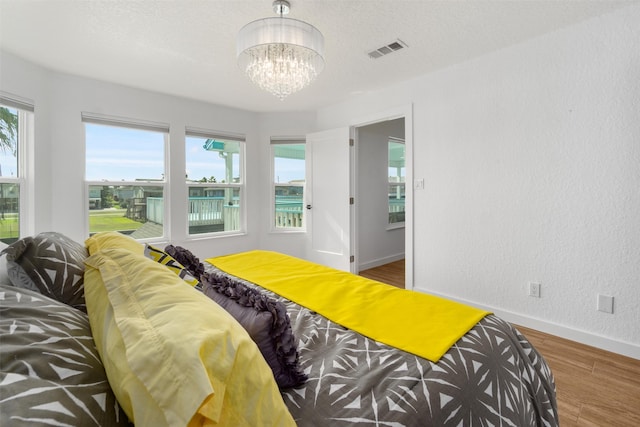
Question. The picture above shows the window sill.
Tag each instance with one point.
(396, 226)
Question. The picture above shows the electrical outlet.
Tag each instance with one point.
(605, 304)
(534, 289)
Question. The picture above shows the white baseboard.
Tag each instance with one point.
(583, 337)
(380, 261)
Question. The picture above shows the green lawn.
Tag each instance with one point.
(111, 220)
(99, 220)
(9, 228)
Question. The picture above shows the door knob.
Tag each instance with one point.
(308, 206)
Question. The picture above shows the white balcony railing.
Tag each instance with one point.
(213, 211)
(202, 211)
(288, 218)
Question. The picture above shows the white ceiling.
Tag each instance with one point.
(187, 47)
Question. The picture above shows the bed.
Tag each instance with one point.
(218, 347)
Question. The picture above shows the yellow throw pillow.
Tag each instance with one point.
(172, 356)
(112, 239)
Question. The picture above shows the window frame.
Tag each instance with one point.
(275, 141)
(133, 124)
(240, 186)
(24, 174)
(397, 224)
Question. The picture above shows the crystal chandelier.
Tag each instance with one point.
(280, 55)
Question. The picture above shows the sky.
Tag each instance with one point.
(124, 154)
(116, 154)
(8, 165)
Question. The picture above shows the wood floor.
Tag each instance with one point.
(594, 387)
(392, 273)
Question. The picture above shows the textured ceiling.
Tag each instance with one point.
(187, 47)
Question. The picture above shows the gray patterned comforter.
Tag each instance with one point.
(50, 372)
(491, 377)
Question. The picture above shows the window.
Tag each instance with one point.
(125, 176)
(16, 133)
(396, 181)
(215, 182)
(288, 183)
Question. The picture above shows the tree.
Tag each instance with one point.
(8, 142)
(212, 179)
(8, 131)
(106, 196)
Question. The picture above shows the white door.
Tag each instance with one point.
(329, 209)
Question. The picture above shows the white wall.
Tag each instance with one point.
(530, 155)
(377, 244)
(531, 160)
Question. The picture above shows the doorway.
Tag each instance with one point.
(336, 238)
(380, 180)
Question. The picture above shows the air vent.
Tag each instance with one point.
(387, 49)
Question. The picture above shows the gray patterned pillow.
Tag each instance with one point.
(51, 264)
(50, 370)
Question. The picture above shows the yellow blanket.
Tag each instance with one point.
(418, 323)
